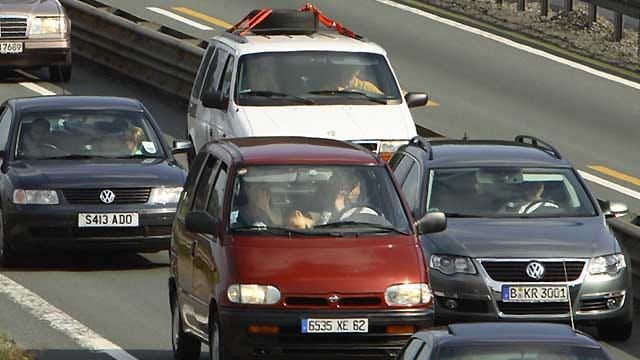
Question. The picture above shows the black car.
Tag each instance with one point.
(499, 341)
(525, 238)
(85, 172)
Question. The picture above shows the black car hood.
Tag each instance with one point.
(58, 174)
(524, 238)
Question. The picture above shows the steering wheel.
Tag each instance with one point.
(362, 207)
(541, 204)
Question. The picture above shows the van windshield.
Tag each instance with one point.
(317, 199)
(315, 77)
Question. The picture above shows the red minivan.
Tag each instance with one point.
(290, 247)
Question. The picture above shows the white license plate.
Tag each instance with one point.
(108, 220)
(535, 294)
(315, 326)
(10, 47)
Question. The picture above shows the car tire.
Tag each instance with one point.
(6, 254)
(185, 346)
(216, 351)
(615, 331)
(60, 73)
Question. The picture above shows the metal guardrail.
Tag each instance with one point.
(158, 56)
(628, 234)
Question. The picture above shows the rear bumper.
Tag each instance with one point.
(291, 343)
(38, 53)
(33, 228)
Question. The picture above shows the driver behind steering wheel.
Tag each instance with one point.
(39, 142)
(531, 201)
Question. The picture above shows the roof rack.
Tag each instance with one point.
(286, 22)
(423, 143)
(536, 142)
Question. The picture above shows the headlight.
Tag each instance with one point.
(253, 294)
(38, 197)
(450, 265)
(48, 25)
(609, 264)
(408, 294)
(165, 195)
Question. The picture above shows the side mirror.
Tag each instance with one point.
(181, 146)
(432, 222)
(616, 209)
(201, 222)
(416, 99)
(215, 100)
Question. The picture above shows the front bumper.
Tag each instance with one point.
(478, 298)
(38, 53)
(291, 343)
(37, 227)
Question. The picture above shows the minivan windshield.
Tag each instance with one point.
(316, 199)
(502, 192)
(315, 77)
(86, 134)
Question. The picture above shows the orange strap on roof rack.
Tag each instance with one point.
(329, 22)
(251, 21)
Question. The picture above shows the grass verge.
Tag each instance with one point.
(10, 351)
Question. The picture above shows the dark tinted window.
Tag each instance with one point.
(217, 195)
(5, 126)
(225, 87)
(189, 186)
(411, 187)
(214, 73)
(402, 168)
(204, 65)
(204, 184)
(508, 351)
(393, 162)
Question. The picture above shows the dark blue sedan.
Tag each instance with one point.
(85, 173)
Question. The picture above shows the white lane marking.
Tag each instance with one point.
(36, 88)
(60, 321)
(611, 185)
(511, 43)
(177, 17)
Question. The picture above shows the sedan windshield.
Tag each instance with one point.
(317, 199)
(315, 77)
(524, 351)
(508, 192)
(86, 134)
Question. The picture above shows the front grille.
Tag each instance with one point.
(92, 196)
(13, 27)
(306, 301)
(464, 305)
(516, 271)
(320, 301)
(600, 304)
(551, 308)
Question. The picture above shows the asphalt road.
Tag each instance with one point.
(484, 88)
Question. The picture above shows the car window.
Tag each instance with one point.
(411, 186)
(6, 116)
(410, 352)
(530, 350)
(86, 133)
(508, 192)
(317, 198)
(395, 160)
(216, 200)
(204, 184)
(189, 187)
(225, 86)
(403, 166)
(204, 66)
(214, 73)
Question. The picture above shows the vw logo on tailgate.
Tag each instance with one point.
(107, 196)
(535, 270)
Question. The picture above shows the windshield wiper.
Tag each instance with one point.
(376, 99)
(358, 223)
(137, 156)
(271, 94)
(460, 215)
(275, 230)
(73, 157)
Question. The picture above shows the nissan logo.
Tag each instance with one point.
(334, 298)
(535, 270)
(107, 196)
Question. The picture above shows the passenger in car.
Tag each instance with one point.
(38, 140)
(531, 200)
(353, 81)
(133, 139)
(254, 207)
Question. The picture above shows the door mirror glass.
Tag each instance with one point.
(201, 222)
(432, 222)
(615, 209)
(416, 99)
(181, 146)
(215, 100)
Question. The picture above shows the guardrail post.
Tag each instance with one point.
(593, 13)
(568, 5)
(617, 27)
(544, 7)
(521, 5)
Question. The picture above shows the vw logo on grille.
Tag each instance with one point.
(334, 298)
(107, 196)
(535, 270)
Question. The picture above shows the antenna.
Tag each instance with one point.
(566, 278)
(465, 137)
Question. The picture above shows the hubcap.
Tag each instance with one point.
(214, 343)
(175, 327)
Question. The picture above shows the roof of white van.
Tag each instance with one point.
(320, 41)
